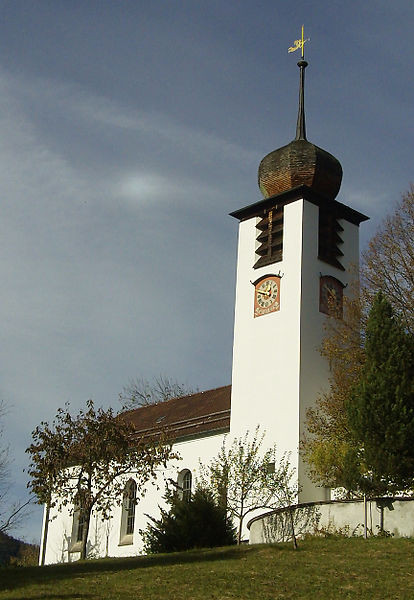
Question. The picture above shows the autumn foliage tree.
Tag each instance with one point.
(329, 448)
(85, 460)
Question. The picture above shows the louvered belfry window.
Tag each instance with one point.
(329, 238)
(270, 237)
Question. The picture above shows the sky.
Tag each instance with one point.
(128, 133)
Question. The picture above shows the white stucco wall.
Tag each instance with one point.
(265, 378)
(314, 369)
(104, 537)
(277, 368)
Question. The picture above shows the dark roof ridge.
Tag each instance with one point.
(199, 413)
(218, 414)
(144, 406)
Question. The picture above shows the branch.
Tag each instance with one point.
(9, 521)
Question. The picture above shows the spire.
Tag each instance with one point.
(300, 125)
(300, 162)
(302, 64)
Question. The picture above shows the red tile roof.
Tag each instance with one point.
(202, 413)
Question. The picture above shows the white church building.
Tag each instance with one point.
(296, 247)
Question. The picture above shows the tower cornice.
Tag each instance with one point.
(341, 211)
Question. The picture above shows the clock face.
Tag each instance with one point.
(331, 295)
(266, 296)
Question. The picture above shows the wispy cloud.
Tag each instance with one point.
(93, 108)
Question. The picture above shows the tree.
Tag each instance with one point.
(388, 263)
(10, 515)
(244, 479)
(329, 447)
(141, 392)
(197, 522)
(4, 474)
(85, 461)
(380, 410)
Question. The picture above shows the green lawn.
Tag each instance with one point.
(320, 569)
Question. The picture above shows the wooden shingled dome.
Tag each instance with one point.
(300, 163)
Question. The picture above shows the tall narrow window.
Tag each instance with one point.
(187, 486)
(269, 239)
(80, 525)
(130, 508)
(78, 528)
(128, 513)
(184, 483)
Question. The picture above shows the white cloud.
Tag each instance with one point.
(143, 186)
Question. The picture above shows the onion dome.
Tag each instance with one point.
(300, 162)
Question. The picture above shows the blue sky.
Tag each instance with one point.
(128, 132)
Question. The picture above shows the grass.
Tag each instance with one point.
(321, 568)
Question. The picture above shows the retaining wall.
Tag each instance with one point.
(346, 517)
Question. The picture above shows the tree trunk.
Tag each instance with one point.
(45, 532)
(365, 518)
(292, 527)
(239, 533)
(241, 517)
(292, 522)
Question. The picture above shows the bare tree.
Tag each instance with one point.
(4, 478)
(142, 392)
(11, 514)
(388, 263)
(4, 454)
(245, 479)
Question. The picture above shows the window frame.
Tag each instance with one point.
(78, 523)
(128, 513)
(184, 484)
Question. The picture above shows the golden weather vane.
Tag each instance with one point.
(299, 44)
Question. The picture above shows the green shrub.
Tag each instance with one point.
(195, 523)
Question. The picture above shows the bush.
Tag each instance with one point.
(28, 556)
(195, 523)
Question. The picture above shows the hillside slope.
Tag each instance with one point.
(374, 569)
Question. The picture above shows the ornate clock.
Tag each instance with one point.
(266, 295)
(331, 295)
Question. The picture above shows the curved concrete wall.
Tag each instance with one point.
(344, 517)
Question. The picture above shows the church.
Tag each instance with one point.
(296, 246)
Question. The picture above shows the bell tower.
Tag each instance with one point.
(295, 250)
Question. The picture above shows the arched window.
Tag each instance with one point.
(129, 502)
(184, 484)
(78, 528)
(81, 525)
